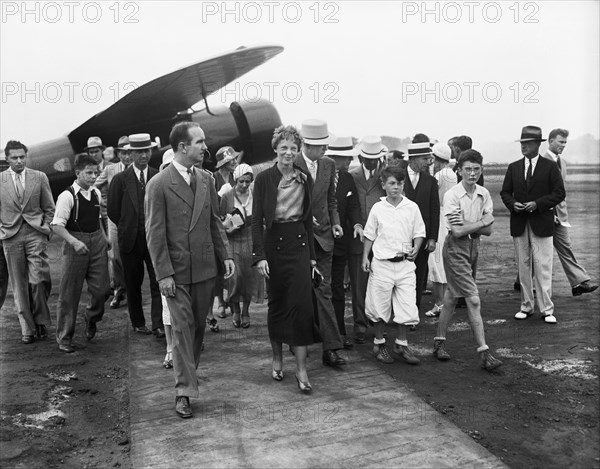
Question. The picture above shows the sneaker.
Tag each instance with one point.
(439, 351)
(434, 312)
(382, 354)
(406, 354)
(488, 361)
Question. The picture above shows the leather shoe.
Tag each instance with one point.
(28, 339)
(41, 331)
(406, 354)
(182, 407)
(116, 302)
(90, 329)
(523, 314)
(360, 338)
(583, 287)
(550, 319)
(66, 348)
(347, 343)
(331, 358)
(142, 330)
(159, 332)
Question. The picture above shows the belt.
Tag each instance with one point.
(401, 258)
(469, 236)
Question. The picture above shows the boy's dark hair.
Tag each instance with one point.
(82, 160)
(420, 138)
(14, 145)
(552, 135)
(464, 142)
(396, 171)
(472, 156)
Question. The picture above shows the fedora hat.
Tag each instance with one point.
(442, 151)
(531, 133)
(341, 146)
(315, 132)
(124, 140)
(140, 142)
(419, 149)
(94, 142)
(225, 155)
(372, 148)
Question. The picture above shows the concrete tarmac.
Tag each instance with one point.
(357, 416)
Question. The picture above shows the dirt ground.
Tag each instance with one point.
(539, 410)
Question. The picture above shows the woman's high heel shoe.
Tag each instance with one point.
(277, 375)
(306, 388)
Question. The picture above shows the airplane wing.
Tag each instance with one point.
(164, 97)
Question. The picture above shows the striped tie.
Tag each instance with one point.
(142, 181)
(336, 179)
(19, 187)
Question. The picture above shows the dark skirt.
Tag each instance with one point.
(290, 318)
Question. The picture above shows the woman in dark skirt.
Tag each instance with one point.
(283, 250)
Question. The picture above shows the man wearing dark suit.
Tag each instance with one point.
(369, 191)
(576, 275)
(532, 188)
(126, 210)
(186, 240)
(326, 227)
(341, 151)
(26, 210)
(422, 188)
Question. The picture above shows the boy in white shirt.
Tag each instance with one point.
(395, 231)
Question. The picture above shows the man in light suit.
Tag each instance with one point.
(326, 225)
(115, 265)
(531, 189)
(126, 209)
(186, 240)
(26, 210)
(576, 274)
(369, 190)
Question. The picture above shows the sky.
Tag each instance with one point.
(479, 68)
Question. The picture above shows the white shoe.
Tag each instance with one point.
(434, 312)
(523, 314)
(550, 319)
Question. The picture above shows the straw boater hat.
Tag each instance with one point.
(94, 142)
(442, 151)
(124, 140)
(315, 132)
(341, 146)
(372, 148)
(419, 149)
(531, 133)
(225, 155)
(140, 142)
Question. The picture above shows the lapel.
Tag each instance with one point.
(300, 162)
(536, 171)
(7, 182)
(322, 178)
(201, 190)
(180, 187)
(131, 186)
(373, 180)
(30, 181)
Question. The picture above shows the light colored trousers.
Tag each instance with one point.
(562, 243)
(535, 252)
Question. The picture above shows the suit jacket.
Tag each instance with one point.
(38, 205)
(348, 210)
(123, 206)
(427, 197)
(184, 232)
(264, 202)
(560, 210)
(368, 194)
(324, 203)
(104, 180)
(547, 190)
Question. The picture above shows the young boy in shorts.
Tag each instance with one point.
(395, 231)
(77, 220)
(468, 211)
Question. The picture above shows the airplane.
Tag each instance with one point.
(156, 106)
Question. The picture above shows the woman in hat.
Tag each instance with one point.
(236, 210)
(283, 249)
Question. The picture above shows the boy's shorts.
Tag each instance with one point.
(460, 263)
(392, 283)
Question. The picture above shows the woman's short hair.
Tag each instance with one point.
(286, 132)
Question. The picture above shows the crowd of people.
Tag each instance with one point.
(291, 232)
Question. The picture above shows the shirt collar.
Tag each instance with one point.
(77, 188)
(410, 170)
(552, 154)
(307, 160)
(462, 191)
(137, 171)
(403, 202)
(13, 174)
(533, 160)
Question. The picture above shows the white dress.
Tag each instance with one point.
(446, 179)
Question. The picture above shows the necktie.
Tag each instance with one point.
(313, 170)
(142, 181)
(558, 163)
(20, 188)
(414, 179)
(370, 174)
(192, 176)
(336, 179)
(528, 177)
